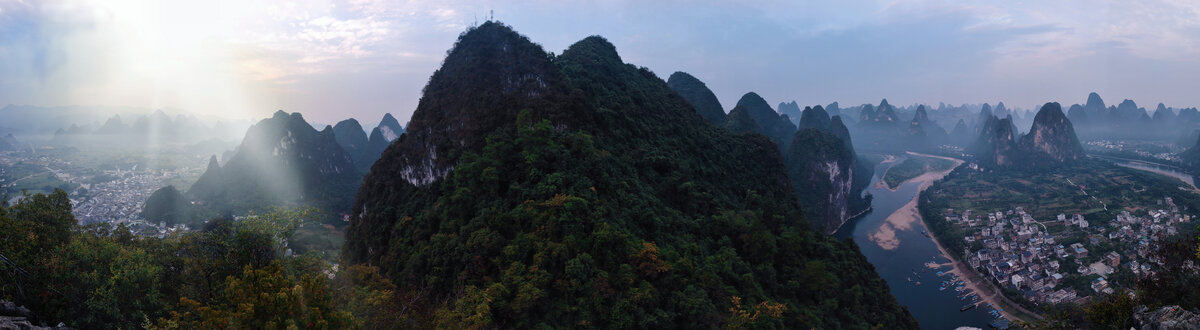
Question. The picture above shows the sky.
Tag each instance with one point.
(332, 60)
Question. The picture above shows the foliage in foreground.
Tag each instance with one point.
(230, 274)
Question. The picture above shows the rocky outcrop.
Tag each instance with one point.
(1052, 136)
(821, 170)
(282, 159)
(995, 144)
(1051, 141)
(825, 171)
(13, 317)
(390, 127)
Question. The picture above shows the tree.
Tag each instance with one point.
(264, 298)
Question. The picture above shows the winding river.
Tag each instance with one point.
(900, 251)
(1167, 170)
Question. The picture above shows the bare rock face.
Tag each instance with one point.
(18, 318)
(821, 165)
(1166, 318)
(995, 144)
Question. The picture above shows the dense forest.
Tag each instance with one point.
(228, 274)
(590, 194)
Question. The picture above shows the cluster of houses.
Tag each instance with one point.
(1019, 252)
(1124, 146)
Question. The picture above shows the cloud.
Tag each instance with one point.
(310, 55)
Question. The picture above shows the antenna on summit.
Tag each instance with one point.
(491, 15)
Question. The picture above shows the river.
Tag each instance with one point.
(1167, 170)
(909, 251)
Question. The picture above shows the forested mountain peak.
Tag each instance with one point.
(445, 123)
(814, 117)
(698, 95)
(350, 134)
(773, 126)
(739, 121)
(541, 196)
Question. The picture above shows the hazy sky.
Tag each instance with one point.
(360, 58)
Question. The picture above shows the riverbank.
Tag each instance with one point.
(988, 293)
(904, 217)
(907, 215)
(914, 285)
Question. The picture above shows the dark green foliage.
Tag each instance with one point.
(699, 96)
(814, 118)
(104, 277)
(1176, 283)
(596, 199)
(167, 205)
(771, 124)
(350, 135)
(825, 172)
(839, 130)
(820, 168)
(739, 122)
(376, 144)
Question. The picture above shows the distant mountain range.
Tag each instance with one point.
(283, 160)
(775, 126)
(824, 170)
(1127, 120)
(157, 128)
(366, 149)
(1051, 141)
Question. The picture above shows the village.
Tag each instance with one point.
(1068, 258)
(114, 196)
